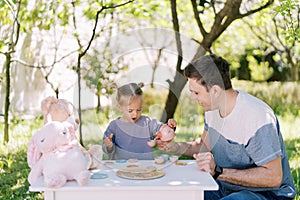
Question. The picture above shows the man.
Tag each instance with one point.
(241, 146)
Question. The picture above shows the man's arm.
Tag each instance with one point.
(268, 175)
(186, 148)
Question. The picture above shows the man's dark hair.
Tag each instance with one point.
(210, 70)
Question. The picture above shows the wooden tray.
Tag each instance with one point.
(140, 173)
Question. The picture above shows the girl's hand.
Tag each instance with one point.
(172, 123)
(108, 141)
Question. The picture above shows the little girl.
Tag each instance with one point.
(126, 137)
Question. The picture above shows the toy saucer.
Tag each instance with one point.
(121, 161)
(98, 175)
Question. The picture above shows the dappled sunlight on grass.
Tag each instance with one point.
(293, 151)
(13, 177)
(288, 126)
(19, 137)
(282, 97)
(13, 163)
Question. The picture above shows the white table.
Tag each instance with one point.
(178, 183)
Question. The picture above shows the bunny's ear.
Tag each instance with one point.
(71, 128)
(74, 116)
(74, 121)
(47, 118)
(33, 154)
(45, 105)
(47, 102)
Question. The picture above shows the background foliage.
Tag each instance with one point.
(280, 96)
(262, 47)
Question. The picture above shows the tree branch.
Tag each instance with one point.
(256, 10)
(229, 13)
(96, 23)
(198, 20)
(177, 34)
(42, 66)
(212, 3)
(18, 23)
(277, 35)
(75, 25)
(260, 33)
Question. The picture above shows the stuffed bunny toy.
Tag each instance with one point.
(61, 159)
(33, 152)
(62, 110)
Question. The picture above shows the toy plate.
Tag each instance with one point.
(140, 173)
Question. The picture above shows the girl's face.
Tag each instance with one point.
(131, 107)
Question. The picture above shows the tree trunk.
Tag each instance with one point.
(294, 67)
(11, 49)
(295, 72)
(7, 101)
(179, 82)
(79, 97)
(175, 89)
(98, 109)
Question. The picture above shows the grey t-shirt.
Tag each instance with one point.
(248, 137)
(130, 139)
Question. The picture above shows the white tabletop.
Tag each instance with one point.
(183, 178)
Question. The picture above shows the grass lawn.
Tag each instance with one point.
(14, 169)
(284, 99)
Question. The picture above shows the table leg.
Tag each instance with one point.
(198, 195)
(49, 195)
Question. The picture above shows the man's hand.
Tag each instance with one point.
(171, 146)
(161, 145)
(205, 162)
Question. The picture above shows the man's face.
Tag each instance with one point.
(200, 93)
(131, 107)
